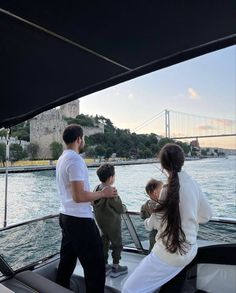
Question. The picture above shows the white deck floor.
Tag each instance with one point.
(131, 260)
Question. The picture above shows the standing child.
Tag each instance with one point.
(108, 216)
(153, 189)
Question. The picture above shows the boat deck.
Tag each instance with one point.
(213, 276)
(131, 260)
(213, 270)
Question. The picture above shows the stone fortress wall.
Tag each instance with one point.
(48, 127)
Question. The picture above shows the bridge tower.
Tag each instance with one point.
(167, 123)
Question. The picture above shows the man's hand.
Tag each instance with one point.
(109, 191)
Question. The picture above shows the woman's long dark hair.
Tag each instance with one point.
(172, 159)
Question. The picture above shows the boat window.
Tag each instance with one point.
(23, 245)
(218, 232)
(28, 243)
(134, 234)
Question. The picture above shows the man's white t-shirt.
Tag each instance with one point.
(71, 167)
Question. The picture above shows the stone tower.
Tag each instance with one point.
(70, 109)
(48, 127)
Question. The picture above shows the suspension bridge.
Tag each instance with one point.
(179, 125)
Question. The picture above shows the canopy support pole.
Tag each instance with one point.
(6, 177)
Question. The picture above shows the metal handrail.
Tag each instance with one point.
(132, 231)
(130, 226)
(29, 222)
(223, 220)
(213, 219)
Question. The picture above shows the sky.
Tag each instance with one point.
(203, 86)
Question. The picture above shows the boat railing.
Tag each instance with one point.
(218, 230)
(29, 221)
(213, 219)
(28, 243)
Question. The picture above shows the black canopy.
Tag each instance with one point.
(52, 52)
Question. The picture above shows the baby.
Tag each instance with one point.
(153, 189)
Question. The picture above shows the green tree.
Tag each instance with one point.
(56, 149)
(153, 138)
(98, 138)
(184, 146)
(3, 133)
(155, 149)
(108, 153)
(16, 152)
(90, 152)
(100, 150)
(147, 153)
(164, 141)
(21, 131)
(108, 125)
(3, 154)
(32, 150)
(83, 120)
(133, 153)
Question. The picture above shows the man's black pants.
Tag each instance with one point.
(81, 238)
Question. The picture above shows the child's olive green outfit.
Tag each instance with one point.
(108, 216)
(145, 212)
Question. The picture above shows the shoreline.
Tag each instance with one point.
(38, 168)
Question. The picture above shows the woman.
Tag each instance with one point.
(182, 206)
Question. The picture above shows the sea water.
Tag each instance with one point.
(34, 194)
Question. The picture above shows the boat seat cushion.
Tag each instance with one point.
(77, 284)
(4, 289)
(17, 286)
(40, 283)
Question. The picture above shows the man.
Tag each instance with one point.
(80, 236)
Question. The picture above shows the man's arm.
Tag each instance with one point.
(81, 195)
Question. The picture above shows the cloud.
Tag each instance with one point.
(114, 92)
(225, 122)
(117, 93)
(193, 94)
(130, 97)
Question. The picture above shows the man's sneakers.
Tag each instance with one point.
(118, 270)
(108, 269)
